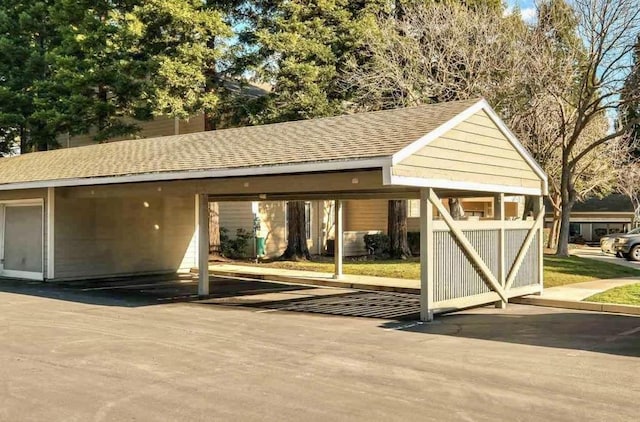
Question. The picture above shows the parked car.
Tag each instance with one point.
(628, 245)
(606, 243)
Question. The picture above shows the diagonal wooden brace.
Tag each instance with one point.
(523, 250)
(469, 250)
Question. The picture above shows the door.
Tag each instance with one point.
(22, 241)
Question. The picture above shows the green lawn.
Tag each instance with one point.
(409, 269)
(560, 271)
(557, 271)
(626, 295)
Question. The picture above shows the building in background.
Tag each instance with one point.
(597, 217)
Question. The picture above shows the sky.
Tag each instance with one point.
(527, 8)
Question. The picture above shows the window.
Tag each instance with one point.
(413, 208)
(575, 229)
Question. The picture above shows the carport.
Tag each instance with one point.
(141, 206)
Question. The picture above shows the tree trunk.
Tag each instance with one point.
(23, 140)
(568, 196)
(297, 248)
(552, 241)
(455, 208)
(528, 207)
(214, 229)
(397, 230)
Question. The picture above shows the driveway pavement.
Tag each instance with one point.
(598, 255)
(146, 350)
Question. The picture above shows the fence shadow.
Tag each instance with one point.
(536, 326)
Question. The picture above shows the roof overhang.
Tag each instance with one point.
(298, 168)
(385, 163)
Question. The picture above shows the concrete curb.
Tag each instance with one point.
(316, 282)
(582, 306)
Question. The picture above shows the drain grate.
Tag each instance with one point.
(360, 304)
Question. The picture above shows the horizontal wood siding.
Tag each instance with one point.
(33, 194)
(161, 126)
(235, 216)
(111, 236)
(474, 151)
(192, 124)
(365, 215)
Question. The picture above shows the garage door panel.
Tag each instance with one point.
(23, 238)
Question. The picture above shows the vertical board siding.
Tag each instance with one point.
(455, 276)
(528, 273)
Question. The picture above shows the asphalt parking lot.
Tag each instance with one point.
(149, 350)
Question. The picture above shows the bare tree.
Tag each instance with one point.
(608, 31)
(555, 82)
(628, 173)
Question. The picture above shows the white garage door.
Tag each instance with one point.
(22, 252)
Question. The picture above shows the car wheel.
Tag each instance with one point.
(634, 253)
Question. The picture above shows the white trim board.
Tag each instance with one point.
(436, 133)
(24, 275)
(27, 275)
(50, 221)
(469, 186)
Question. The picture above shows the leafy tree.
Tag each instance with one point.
(307, 44)
(94, 66)
(27, 38)
(629, 113)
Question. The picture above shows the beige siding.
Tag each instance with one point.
(161, 126)
(474, 151)
(114, 236)
(272, 214)
(273, 226)
(32, 194)
(365, 215)
(192, 125)
(234, 216)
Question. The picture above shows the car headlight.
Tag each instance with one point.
(623, 241)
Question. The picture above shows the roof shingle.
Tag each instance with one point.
(347, 137)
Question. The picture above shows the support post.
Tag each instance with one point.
(498, 213)
(538, 207)
(51, 246)
(337, 249)
(426, 255)
(202, 203)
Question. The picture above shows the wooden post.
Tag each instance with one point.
(538, 208)
(498, 213)
(426, 256)
(202, 204)
(51, 250)
(337, 249)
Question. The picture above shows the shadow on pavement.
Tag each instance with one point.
(536, 326)
(140, 291)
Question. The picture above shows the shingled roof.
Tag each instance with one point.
(334, 139)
